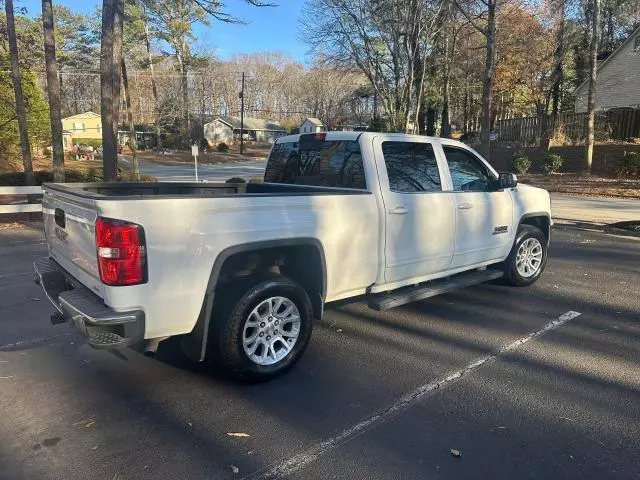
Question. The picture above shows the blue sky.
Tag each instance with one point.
(273, 28)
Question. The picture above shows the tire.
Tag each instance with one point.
(531, 242)
(247, 302)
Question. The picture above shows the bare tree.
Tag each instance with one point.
(482, 16)
(53, 89)
(154, 87)
(19, 97)
(384, 39)
(594, 21)
(133, 143)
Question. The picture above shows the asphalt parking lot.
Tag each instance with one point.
(508, 378)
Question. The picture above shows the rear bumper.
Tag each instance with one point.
(103, 327)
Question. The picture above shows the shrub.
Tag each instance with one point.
(128, 176)
(632, 159)
(255, 180)
(223, 147)
(520, 163)
(551, 163)
(92, 142)
(631, 165)
(235, 180)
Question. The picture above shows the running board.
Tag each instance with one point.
(402, 296)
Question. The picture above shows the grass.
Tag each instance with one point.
(575, 184)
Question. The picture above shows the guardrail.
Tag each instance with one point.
(21, 206)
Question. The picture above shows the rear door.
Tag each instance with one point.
(69, 225)
(419, 215)
(484, 215)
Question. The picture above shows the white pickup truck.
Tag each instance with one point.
(240, 271)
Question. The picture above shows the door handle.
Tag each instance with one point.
(399, 210)
(465, 206)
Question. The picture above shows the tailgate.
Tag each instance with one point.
(69, 225)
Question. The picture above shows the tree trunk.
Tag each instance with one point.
(558, 74)
(445, 130)
(107, 67)
(53, 89)
(593, 67)
(487, 81)
(154, 88)
(29, 179)
(118, 18)
(430, 127)
(133, 143)
(185, 95)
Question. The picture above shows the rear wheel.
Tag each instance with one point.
(528, 257)
(261, 327)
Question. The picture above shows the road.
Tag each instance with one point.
(566, 208)
(597, 210)
(186, 172)
(484, 371)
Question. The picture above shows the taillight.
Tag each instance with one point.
(121, 252)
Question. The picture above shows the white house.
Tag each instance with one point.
(311, 125)
(618, 80)
(226, 129)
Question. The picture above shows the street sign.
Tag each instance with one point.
(194, 150)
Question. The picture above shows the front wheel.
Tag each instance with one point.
(261, 327)
(528, 257)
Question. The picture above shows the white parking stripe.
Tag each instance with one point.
(301, 460)
(31, 342)
(9, 275)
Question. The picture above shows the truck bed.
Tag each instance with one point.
(136, 190)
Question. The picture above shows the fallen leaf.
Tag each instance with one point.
(339, 330)
(94, 448)
(234, 469)
(455, 453)
(237, 434)
(89, 419)
(35, 299)
(502, 427)
(89, 423)
(190, 424)
(4, 378)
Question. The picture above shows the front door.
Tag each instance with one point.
(484, 216)
(419, 216)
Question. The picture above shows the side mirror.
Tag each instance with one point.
(507, 180)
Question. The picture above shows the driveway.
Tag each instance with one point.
(487, 382)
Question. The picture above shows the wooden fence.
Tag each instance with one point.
(569, 128)
(20, 205)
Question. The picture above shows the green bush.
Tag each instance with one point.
(551, 163)
(90, 175)
(93, 142)
(223, 147)
(129, 176)
(632, 159)
(520, 163)
(631, 165)
(235, 180)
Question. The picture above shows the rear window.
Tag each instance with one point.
(312, 161)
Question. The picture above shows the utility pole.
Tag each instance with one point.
(242, 115)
